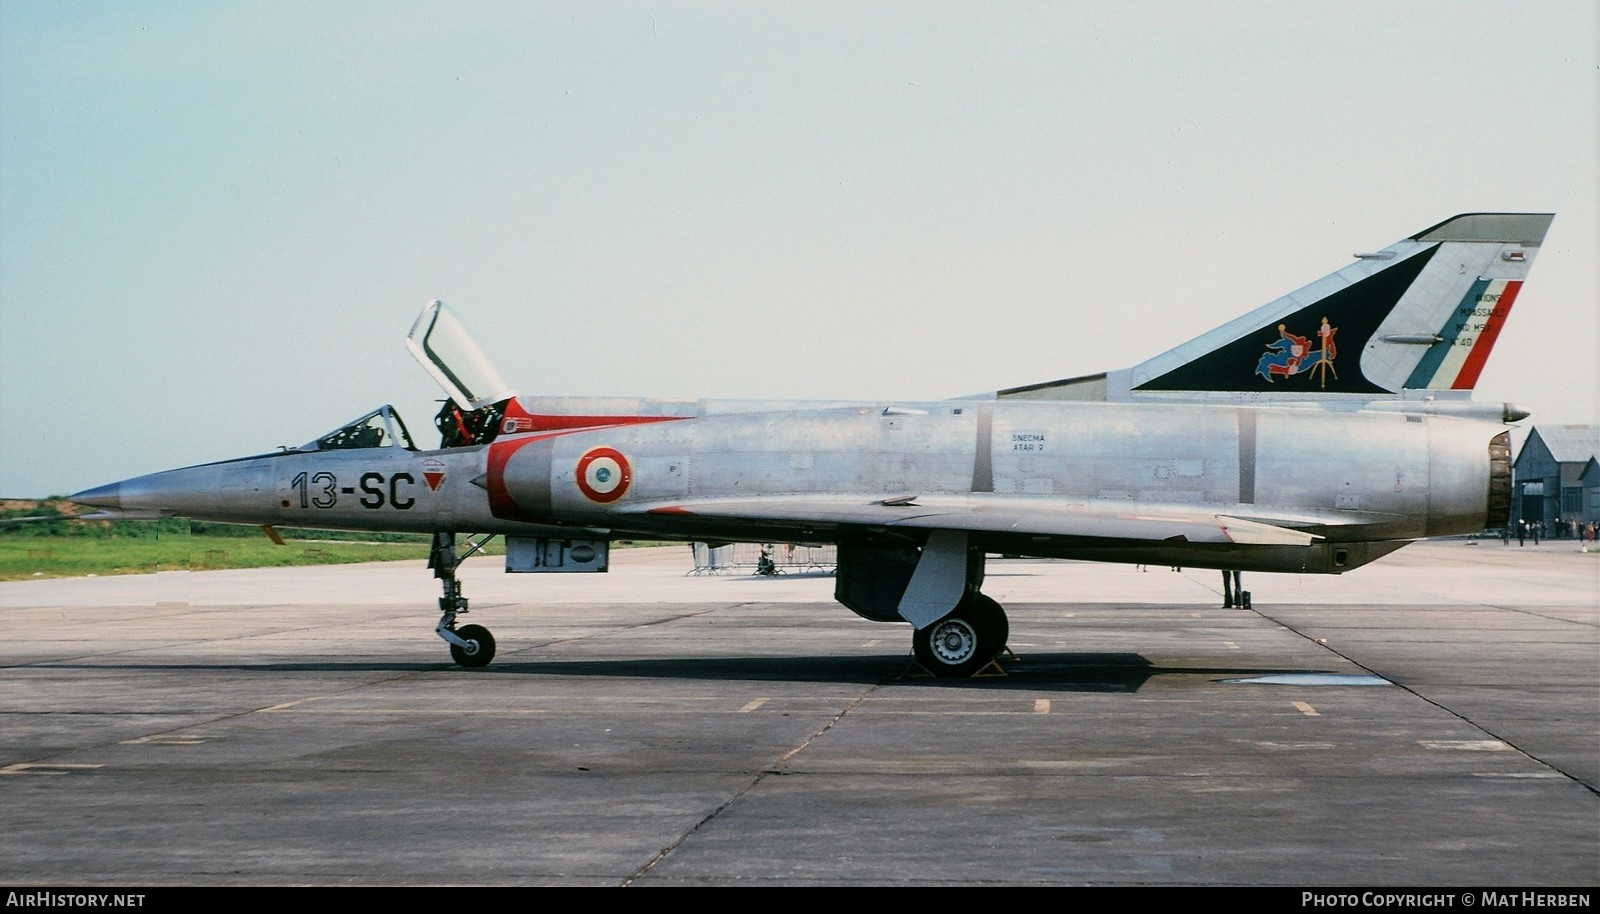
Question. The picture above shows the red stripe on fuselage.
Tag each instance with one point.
(501, 504)
(1470, 369)
(545, 422)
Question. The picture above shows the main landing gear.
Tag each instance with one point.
(965, 641)
(1233, 592)
(470, 645)
(956, 630)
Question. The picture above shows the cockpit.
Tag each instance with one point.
(383, 428)
(380, 428)
(477, 394)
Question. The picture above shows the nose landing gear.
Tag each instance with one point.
(477, 649)
(470, 645)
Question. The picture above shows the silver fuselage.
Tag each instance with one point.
(1361, 482)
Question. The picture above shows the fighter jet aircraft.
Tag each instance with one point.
(1314, 434)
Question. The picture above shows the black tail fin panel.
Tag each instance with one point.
(1420, 315)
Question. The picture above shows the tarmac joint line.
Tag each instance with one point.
(775, 771)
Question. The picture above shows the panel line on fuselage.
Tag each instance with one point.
(1247, 456)
(983, 452)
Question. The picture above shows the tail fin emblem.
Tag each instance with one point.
(1291, 354)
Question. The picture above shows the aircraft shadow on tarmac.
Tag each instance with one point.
(1060, 671)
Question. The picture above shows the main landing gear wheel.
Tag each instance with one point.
(965, 641)
(479, 649)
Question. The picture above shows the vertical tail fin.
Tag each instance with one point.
(1421, 314)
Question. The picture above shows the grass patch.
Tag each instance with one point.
(65, 548)
(26, 557)
(32, 557)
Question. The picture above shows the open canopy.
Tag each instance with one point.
(448, 352)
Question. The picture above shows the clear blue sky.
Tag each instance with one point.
(217, 220)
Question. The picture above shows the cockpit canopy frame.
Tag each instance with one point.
(380, 428)
(441, 343)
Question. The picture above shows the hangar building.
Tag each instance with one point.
(1556, 479)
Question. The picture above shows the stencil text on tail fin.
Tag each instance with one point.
(1456, 359)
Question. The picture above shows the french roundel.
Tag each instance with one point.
(603, 475)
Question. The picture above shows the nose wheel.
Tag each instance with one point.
(471, 646)
(478, 649)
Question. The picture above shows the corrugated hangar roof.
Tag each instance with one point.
(1570, 443)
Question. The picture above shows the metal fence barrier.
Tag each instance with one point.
(762, 558)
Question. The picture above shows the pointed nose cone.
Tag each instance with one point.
(109, 496)
(191, 492)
